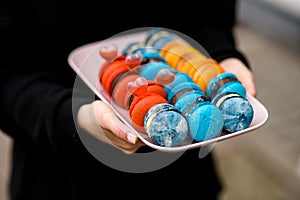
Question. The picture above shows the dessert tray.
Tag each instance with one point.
(85, 61)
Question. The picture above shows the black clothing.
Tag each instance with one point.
(36, 82)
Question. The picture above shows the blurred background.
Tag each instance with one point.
(265, 163)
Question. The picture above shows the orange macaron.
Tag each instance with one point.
(206, 71)
(139, 107)
(110, 71)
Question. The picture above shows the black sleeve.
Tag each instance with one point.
(215, 32)
(34, 104)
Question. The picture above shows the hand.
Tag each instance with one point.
(100, 121)
(244, 75)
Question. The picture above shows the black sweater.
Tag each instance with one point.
(36, 88)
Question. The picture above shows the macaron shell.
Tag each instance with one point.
(150, 70)
(168, 128)
(183, 86)
(159, 43)
(169, 45)
(205, 122)
(108, 67)
(176, 53)
(237, 111)
(158, 89)
(190, 62)
(179, 78)
(112, 76)
(214, 85)
(205, 72)
(235, 86)
(155, 34)
(140, 106)
(186, 100)
(120, 93)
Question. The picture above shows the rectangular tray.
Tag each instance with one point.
(86, 62)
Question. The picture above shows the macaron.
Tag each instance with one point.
(204, 118)
(165, 125)
(186, 98)
(237, 111)
(119, 89)
(110, 70)
(150, 70)
(206, 71)
(155, 34)
(174, 93)
(140, 105)
(179, 78)
(162, 41)
(133, 46)
(225, 82)
(174, 54)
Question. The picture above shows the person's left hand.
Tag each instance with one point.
(243, 73)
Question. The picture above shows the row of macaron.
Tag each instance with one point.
(222, 88)
(168, 104)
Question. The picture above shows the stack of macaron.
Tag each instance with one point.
(184, 57)
(144, 99)
(221, 88)
(205, 120)
(228, 94)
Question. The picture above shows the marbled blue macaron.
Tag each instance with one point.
(237, 111)
(165, 125)
(204, 118)
(225, 82)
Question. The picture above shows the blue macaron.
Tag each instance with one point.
(180, 89)
(155, 34)
(165, 125)
(179, 78)
(150, 70)
(205, 120)
(162, 41)
(225, 82)
(237, 111)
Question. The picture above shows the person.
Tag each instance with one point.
(49, 159)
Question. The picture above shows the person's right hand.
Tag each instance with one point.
(100, 121)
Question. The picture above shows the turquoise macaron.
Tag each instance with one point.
(155, 34)
(178, 89)
(150, 70)
(205, 120)
(179, 78)
(224, 82)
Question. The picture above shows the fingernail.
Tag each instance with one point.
(131, 138)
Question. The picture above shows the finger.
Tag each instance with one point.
(107, 119)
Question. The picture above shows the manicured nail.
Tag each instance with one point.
(131, 138)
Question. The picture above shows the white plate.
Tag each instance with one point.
(86, 62)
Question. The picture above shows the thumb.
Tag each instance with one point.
(107, 119)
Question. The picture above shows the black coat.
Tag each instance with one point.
(36, 88)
